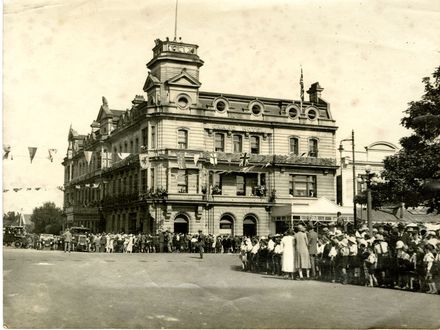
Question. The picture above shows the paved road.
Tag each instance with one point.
(51, 289)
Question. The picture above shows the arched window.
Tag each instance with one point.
(182, 139)
(313, 148)
(255, 144)
(293, 146)
(238, 143)
(181, 223)
(226, 225)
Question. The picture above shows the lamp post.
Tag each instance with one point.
(341, 148)
(368, 178)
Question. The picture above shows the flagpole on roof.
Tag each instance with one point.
(301, 85)
(175, 22)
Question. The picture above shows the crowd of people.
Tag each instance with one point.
(393, 256)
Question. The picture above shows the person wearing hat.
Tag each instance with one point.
(354, 261)
(302, 256)
(403, 266)
(342, 260)
(288, 258)
(312, 237)
(428, 261)
(382, 252)
(201, 243)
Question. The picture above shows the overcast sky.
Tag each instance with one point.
(62, 56)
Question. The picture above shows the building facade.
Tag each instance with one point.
(373, 156)
(184, 160)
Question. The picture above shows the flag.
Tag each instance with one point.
(87, 185)
(196, 158)
(52, 152)
(247, 169)
(38, 188)
(181, 160)
(6, 151)
(144, 160)
(32, 152)
(95, 185)
(28, 188)
(5, 190)
(78, 187)
(213, 158)
(123, 155)
(88, 156)
(301, 84)
(17, 189)
(244, 160)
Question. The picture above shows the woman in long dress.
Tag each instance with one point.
(302, 256)
(288, 254)
(130, 244)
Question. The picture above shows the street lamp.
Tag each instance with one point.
(368, 178)
(341, 148)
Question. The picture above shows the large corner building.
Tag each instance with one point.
(184, 159)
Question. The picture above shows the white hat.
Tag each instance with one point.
(400, 245)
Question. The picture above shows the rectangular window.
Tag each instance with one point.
(135, 184)
(241, 185)
(182, 181)
(182, 139)
(152, 179)
(153, 137)
(131, 146)
(255, 145)
(216, 180)
(302, 185)
(293, 146)
(238, 143)
(144, 181)
(313, 148)
(219, 142)
(136, 145)
(145, 137)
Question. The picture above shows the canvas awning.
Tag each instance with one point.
(320, 207)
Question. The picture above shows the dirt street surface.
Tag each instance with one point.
(51, 289)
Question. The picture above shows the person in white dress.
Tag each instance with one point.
(129, 248)
(287, 262)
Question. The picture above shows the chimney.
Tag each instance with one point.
(315, 92)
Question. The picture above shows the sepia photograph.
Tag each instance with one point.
(246, 164)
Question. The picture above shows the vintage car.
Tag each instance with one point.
(15, 235)
(80, 241)
(46, 241)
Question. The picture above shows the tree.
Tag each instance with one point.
(413, 174)
(47, 219)
(11, 219)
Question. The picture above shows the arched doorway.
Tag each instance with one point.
(250, 226)
(226, 225)
(181, 224)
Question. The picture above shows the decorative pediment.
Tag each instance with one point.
(151, 82)
(104, 110)
(184, 79)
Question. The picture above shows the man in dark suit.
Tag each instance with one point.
(312, 237)
(201, 243)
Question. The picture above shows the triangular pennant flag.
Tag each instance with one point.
(213, 158)
(95, 185)
(17, 189)
(32, 152)
(5, 190)
(244, 159)
(144, 161)
(28, 188)
(38, 188)
(87, 185)
(181, 160)
(196, 158)
(88, 156)
(123, 155)
(6, 151)
(52, 153)
(78, 187)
